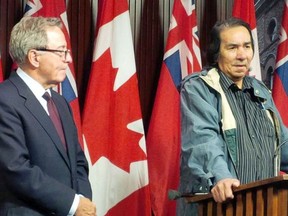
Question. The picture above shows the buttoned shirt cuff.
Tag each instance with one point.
(74, 205)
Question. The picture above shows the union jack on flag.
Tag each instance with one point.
(68, 88)
(32, 7)
(280, 78)
(181, 58)
(182, 55)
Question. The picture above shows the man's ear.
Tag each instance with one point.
(33, 57)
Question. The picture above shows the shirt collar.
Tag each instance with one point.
(227, 83)
(32, 84)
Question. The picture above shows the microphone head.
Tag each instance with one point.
(173, 194)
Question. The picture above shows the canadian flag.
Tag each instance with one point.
(245, 10)
(112, 120)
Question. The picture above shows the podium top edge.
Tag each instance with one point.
(245, 187)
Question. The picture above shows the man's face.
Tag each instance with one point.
(235, 53)
(53, 65)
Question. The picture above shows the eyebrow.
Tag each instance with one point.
(236, 44)
(60, 47)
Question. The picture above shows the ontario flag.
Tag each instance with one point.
(245, 10)
(112, 120)
(182, 57)
(68, 88)
(280, 78)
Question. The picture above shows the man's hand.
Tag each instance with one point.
(223, 190)
(85, 208)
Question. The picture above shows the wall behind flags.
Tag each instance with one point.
(150, 24)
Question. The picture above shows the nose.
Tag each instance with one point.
(68, 57)
(241, 52)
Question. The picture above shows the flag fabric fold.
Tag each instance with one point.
(245, 10)
(182, 57)
(112, 121)
(280, 78)
(68, 88)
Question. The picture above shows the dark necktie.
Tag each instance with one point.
(54, 115)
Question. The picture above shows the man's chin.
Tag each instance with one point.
(241, 73)
(58, 81)
(62, 78)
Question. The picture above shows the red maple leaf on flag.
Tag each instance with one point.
(112, 121)
(112, 126)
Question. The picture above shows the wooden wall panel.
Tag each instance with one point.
(150, 21)
(82, 30)
(10, 13)
(149, 53)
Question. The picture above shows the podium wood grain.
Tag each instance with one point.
(267, 197)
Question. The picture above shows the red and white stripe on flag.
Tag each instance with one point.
(280, 79)
(68, 88)
(182, 56)
(112, 121)
(245, 10)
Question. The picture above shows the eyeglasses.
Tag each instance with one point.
(65, 52)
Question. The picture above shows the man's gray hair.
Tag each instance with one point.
(30, 33)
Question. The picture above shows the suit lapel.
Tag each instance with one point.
(35, 108)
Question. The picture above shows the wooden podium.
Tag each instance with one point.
(267, 197)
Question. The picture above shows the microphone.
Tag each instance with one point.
(174, 195)
(277, 158)
(200, 188)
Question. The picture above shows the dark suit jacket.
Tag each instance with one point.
(37, 175)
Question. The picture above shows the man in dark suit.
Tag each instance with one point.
(42, 171)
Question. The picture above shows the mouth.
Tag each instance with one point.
(240, 66)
